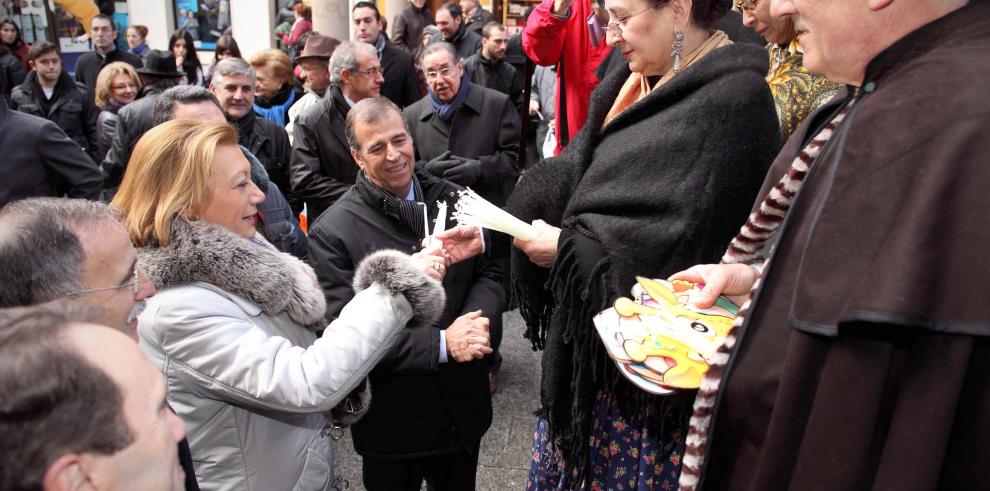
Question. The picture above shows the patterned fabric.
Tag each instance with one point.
(796, 93)
(746, 248)
(624, 455)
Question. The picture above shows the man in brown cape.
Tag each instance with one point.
(861, 360)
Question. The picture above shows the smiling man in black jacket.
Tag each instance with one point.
(431, 396)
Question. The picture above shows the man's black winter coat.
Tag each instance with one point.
(71, 108)
(89, 65)
(39, 160)
(496, 75)
(270, 144)
(420, 407)
(401, 82)
(322, 168)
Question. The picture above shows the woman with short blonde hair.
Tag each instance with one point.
(117, 85)
(234, 324)
(274, 91)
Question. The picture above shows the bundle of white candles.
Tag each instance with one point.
(473, 210)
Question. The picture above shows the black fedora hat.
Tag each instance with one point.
(159, 63)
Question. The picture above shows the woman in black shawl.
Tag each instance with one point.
(660, 177)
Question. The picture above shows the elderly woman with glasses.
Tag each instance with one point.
(117, 85)
(796, 92)
(661, 174)
(237, 327)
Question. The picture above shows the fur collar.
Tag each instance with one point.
(274, 281)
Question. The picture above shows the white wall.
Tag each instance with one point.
(156, 15)
(332, 18)
(253, 23)
(392, 10)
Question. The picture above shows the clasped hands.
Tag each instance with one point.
(467, 338)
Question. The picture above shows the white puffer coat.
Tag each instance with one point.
(232, 328)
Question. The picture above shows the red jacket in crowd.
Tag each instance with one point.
(550, 40)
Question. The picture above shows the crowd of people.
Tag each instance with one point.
(208, 272)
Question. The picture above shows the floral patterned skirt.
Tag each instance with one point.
(624, 455)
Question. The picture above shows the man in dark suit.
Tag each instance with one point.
(478, 128)
(431, 400)
(105, 51)
(322, 168)
(468, 135)
(401, 83)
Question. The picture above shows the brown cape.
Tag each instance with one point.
(864, 360)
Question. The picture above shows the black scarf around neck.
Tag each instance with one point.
(245, 128)
(409, 214)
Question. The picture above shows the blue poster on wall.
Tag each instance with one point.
(204, 20)
(120, 23)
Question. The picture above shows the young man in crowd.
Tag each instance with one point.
(48, 92)
(450, 20)
(39, 160)
(488, 67)
(105, 51)
(401, 82)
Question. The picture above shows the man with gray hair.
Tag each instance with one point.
(233, 85)
(322, 167)
(280, 226)
(75, 250)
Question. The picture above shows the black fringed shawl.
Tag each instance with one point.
(664, 186)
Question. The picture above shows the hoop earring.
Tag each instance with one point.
(678, 46)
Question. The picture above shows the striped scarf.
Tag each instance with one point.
(747, 248)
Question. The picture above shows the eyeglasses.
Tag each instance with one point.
(124, 86)
(747, 5)
(135, 283)
(615, 27)
(443, 72)
(371, 72)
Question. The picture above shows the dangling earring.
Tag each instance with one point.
(678, 46)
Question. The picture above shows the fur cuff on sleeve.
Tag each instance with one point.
(354, 407)
(399, 273)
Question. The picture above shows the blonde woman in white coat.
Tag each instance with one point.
(235, 325)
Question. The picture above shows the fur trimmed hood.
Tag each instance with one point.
(274, 281)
